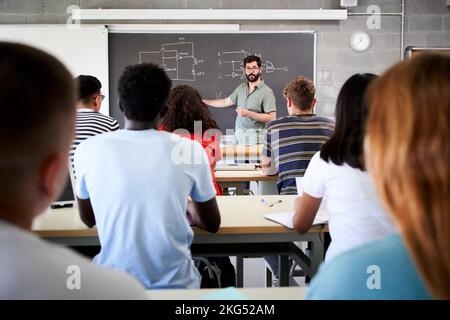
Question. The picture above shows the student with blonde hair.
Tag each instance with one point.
(408, 155)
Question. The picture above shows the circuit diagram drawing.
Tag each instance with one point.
(177, 59)
(232, 61)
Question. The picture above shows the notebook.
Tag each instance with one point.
(67, 197)
(285, 218)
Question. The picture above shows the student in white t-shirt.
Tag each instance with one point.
(134, 184)
(338, 174)
(37, 105)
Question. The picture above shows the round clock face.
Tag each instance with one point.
(360, 41)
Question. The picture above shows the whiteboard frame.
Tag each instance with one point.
(102, 72)
(410, 50)
(122, 28)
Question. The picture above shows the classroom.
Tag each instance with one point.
(225, 150)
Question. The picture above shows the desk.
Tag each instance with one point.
(243, 232)
(241, 152)
(243, 176)
(286, 293)
(238, 179)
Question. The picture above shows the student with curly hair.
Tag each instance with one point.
(188, 116)
(130, 184)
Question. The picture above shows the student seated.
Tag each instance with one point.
(37, 103)
(292, 141)
(338, 174)
(90, 121)
(408, 156)
(134, 185)
(189, 116)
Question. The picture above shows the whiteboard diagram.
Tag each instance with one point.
(233, 61)
(177, 59)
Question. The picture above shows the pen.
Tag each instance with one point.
(264, 202)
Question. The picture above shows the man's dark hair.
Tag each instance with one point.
(143, 91)
(249, 59)
(88, 87)
(346, 144)
(37, 106)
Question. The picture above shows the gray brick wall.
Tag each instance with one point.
(427, 23)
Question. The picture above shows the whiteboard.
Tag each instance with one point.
(83, 50)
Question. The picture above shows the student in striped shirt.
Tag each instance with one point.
(291, 141)
(90, 121)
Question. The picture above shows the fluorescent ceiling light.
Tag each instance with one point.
(136, 28)
(208, 14)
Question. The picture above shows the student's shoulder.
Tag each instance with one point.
(323, 118)
(93, 142)
(281, 121)
(343, 264)
(389, 245)
(109, 119)
(96, 282)
(182, 144)
(50, 268)
(352, 274)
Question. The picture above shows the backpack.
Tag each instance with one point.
(216, 272)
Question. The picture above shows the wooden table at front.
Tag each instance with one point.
(239, 178)
(244, 232)
(242, 152)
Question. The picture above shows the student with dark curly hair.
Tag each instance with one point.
(188, 116)
(134, 186)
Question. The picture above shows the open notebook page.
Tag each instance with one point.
(285, 218)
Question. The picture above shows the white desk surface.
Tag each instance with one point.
(240, 214)
(284, 293)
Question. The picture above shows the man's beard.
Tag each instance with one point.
(252, 77)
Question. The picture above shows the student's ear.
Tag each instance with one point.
(313, 104)
(97, 103)
(53, 175)
(289, 102)
(120, 107)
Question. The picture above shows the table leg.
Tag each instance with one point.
(283, 270)
(239, 271)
